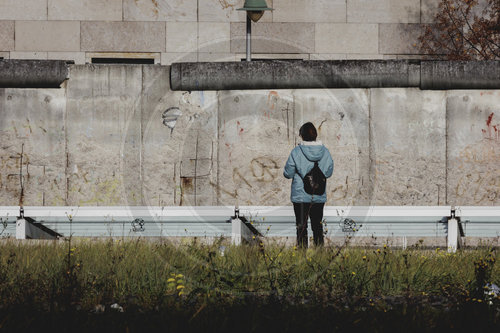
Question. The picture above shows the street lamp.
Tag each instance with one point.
(255, 9)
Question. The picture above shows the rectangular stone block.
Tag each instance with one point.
(88, 10)
(309, 11)
(399, 38)
(63, 36)
(77, 57)
(408, 147)
(4, 55)
(274, 37)
(23, 9)
(214, 37)
(182, 37)
(160, 10)
(346, 38)
(28, 55)
(428, 10)
(123, 36)
(104, 135)
(6, 35)
(473, 148)
(226, 11)
(31, 123)
(383, 11)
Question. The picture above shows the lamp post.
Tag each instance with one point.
(255, 9)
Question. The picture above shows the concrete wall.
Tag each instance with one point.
(211, 30)
(117, 135)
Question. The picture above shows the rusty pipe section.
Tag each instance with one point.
(280, 74)
(33, 73)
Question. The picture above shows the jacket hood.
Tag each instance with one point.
(313, 151)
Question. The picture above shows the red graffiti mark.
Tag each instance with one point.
(241, 130)
(490, 117)
(339, 136)
(489, 126)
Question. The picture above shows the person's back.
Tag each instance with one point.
(300, 162)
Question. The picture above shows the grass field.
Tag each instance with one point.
(118, 285)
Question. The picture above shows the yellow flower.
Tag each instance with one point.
(353, 273)
(181, 293)
(179, 276)
(171, 280)
(334, 276)
(364, 257)
(378, 250)
(180, 287)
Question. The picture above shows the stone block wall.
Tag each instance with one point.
(117, 135)
(211, 30)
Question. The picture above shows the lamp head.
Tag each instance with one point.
(255, 9)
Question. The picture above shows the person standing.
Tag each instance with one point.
(300, 164)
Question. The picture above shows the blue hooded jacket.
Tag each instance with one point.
(300, 162)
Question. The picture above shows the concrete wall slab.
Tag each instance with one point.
(346, 38)
(182, 37)
(341, 117)
(123, 36)
(37, 36)
(256, 134)
(23, 9)
(473, 148)
(6, 35)
(399, 38)
(32, 121)
(408, 146)
(28, 55)
(214, 37)
(88, 10)
(160, 10)
(274, 37)
(312, 11)
(104, 135)
(383, 11)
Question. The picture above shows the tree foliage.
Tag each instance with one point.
(464, 30)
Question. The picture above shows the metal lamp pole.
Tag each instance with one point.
(255, 9)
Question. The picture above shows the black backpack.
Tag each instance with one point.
(315, 181)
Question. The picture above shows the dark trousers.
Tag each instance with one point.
(302, 212)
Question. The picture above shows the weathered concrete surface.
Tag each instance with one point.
(32, 74)
(408, 146)
(118, 135)
(278, 74)
(32, 124)
(383, 11)
(342, 119)
(294, 74)
(473, 149)
(103, 135)
(444, 75)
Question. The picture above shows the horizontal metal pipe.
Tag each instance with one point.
(33, 73)
(281, 74)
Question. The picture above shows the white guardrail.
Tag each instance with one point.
(212, 221)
